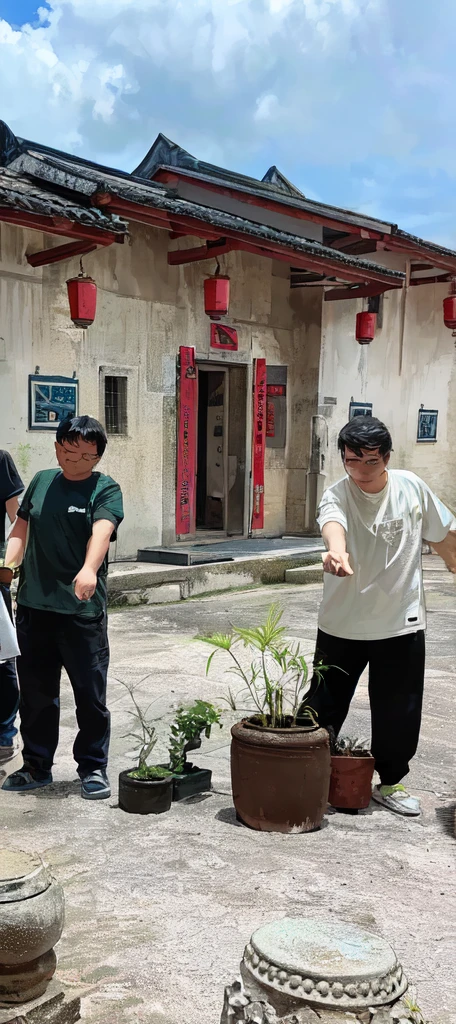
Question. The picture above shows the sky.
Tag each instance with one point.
(353, 100)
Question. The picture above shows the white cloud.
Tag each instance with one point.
(267, 107)
(315, 86)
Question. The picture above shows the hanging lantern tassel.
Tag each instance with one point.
(82, 296)
(365, 327)
(216, 295)
(449, 309)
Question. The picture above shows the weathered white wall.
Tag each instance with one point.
(372, 374)
(146, 310)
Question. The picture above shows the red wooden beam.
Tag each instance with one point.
(311, 262)
(270, 249)
(178, 257)
(440, 279)
(173, 178)
(58, 226)
(364, 292)
(59, 252)
(178, 234)
(408, 249)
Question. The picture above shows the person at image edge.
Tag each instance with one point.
(373, 523)
(66, 522)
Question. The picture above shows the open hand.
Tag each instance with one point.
(85, 584)
(337, 564)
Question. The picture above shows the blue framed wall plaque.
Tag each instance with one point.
(51, 400)
(427, 425)
(360, 409)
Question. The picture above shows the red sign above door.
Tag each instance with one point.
(186, 449)
(224, 337)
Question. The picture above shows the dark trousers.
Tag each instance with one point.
(396, 680)
(49, 641)
(9, 690)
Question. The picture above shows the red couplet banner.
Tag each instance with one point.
(186, 449)
(259, 442)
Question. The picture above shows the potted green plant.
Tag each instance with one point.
(146, 789)
(280, 758)
(186, 732)
(352, 768)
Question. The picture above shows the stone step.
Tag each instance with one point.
(305, 574)
(138, 583)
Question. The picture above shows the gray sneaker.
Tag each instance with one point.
(8, 752)
(396, 799)
(95, 786)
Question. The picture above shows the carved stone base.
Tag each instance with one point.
(300, 971)
(56, 1006)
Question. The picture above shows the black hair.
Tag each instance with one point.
(82, 428)
(365, 432)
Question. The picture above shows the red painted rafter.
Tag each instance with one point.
(312, 262)
(440, 279)
(408, 249)
(173, 179)
(59, 253)
(363, 292)
(178, 257)
(58, 226)
(270, 249)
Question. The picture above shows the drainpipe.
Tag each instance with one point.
(319, 440)
(405, 289)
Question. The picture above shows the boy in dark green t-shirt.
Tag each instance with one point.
(66, 522)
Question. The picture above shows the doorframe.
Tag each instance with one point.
(203, 364)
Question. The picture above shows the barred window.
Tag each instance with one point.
(115, 398)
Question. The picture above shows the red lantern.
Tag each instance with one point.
(82, 296)
(365, 327)
(449, 312)
(216, 296)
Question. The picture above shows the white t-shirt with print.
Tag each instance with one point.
(385, 596)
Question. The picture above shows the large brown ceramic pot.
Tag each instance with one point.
(31, 922)
(280, 777)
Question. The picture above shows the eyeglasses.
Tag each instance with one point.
(76, 456)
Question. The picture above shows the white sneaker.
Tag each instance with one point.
(396, 799)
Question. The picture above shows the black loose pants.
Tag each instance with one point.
(49, 641)
(396, 681)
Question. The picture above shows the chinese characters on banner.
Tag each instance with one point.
(186, 451)
(259, 443)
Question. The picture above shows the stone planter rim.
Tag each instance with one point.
(30, 883)
(377, 983)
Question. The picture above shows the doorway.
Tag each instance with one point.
(221, 448)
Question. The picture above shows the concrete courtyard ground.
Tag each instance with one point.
(158, 909)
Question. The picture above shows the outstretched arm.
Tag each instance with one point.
(336, 560)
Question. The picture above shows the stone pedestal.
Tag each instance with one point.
(304, 971)
(31, 922)
(56, 1006)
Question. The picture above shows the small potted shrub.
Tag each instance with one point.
(146, 789)
(280, 758)
(186, 731)
(352, 768)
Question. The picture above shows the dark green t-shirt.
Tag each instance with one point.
(61, 514)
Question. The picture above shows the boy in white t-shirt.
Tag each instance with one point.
(373, 523)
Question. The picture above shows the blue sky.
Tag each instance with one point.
(17, 12)
(352, 99)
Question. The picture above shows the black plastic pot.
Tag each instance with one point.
(192, 781)
(145, 796)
